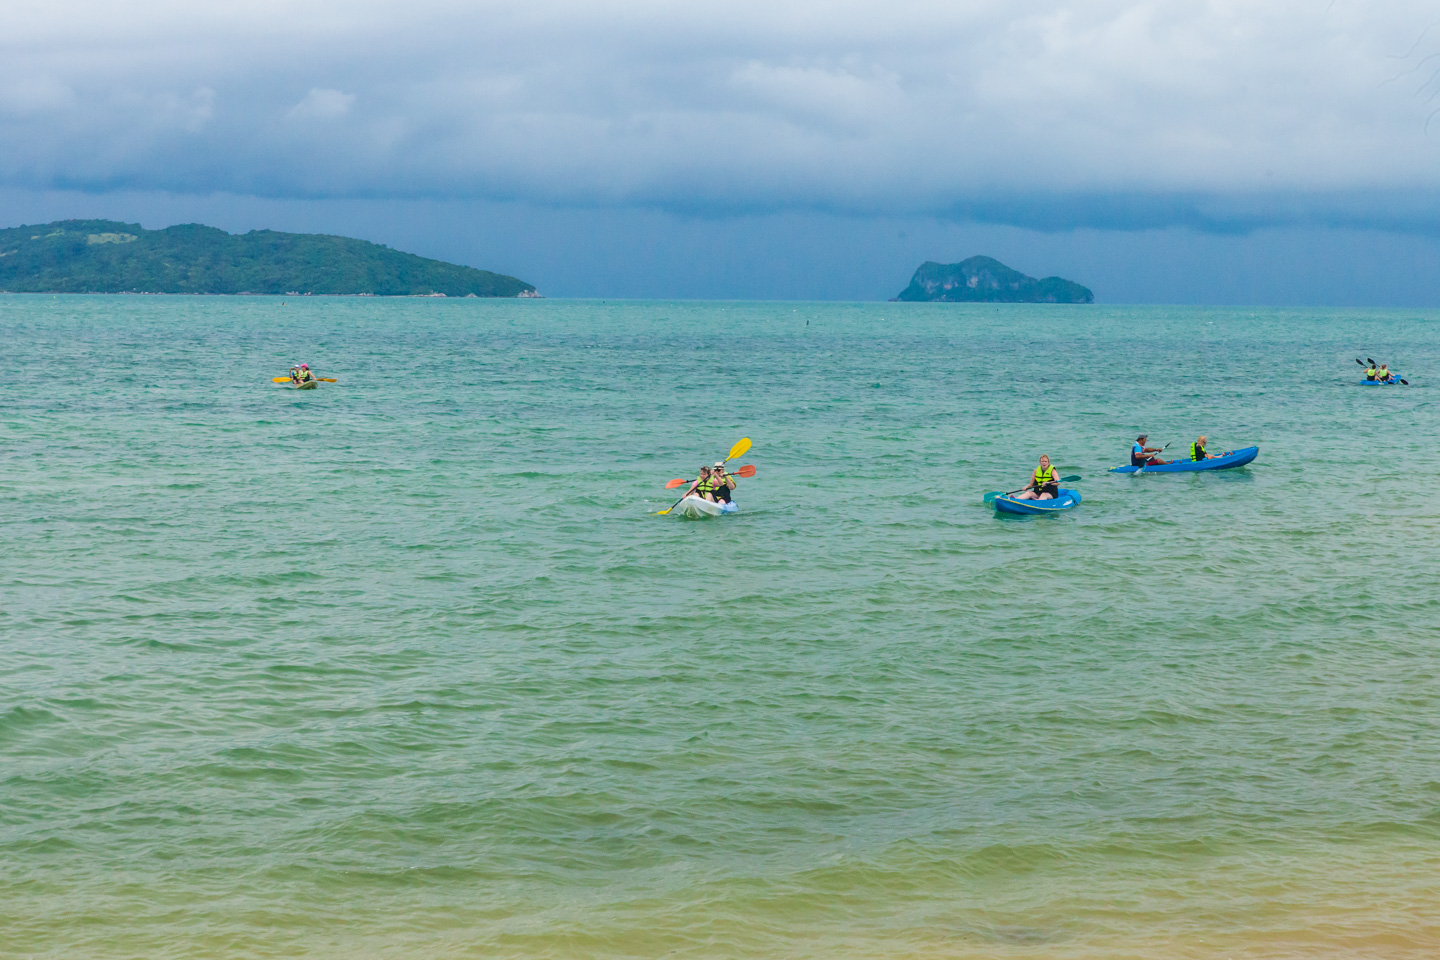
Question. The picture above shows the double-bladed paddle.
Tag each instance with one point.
(736, 451)
(289, 379)
(991, 497)
(746, 471)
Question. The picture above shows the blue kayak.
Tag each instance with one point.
(1236, 458)
(1066, 500)
(1383, 383)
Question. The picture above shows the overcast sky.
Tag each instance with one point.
(760, 149)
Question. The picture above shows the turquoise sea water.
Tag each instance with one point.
(404, 667)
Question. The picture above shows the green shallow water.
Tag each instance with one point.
(403, 667)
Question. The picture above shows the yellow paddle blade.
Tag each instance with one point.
(739, 449)
(327, 379)
(279, 379)
(661, 513)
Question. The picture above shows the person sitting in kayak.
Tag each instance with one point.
(302, 374)
(1371, 372)
(1197, 450)
(1044, 483)
(703, 487)
(1142, 456)
(1383, 374)
(723, 481)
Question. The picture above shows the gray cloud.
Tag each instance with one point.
(1220, 116)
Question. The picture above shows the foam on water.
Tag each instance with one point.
(404, 666)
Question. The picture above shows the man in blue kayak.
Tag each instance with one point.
(1197, 450)
(1143, 456)
(1371, 372)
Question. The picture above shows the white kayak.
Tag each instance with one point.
(698, 507)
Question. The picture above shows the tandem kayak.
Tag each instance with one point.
(1236, 458)
(1383, 383)
(697, 508)
(1066, 500)
(307, 385)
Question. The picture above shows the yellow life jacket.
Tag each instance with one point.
(1044, 475)
(1196, 452)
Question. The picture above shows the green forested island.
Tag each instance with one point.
(103, 256)
(986, 280)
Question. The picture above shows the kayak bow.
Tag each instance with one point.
(698, 508)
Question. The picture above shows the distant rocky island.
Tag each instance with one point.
(103, 256)
(986, 280)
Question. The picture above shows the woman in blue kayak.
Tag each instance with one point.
(1044, 482)
(1143, 456)
(1197, 450)
(1383, 374)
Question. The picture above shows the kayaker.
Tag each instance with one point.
(1044, 482)
(723, 481)
(1197, 450)
(1383, 374)
(703, 487)
(1371, 372)
(1141, 455)
(303, 375)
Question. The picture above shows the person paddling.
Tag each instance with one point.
(1383, 374)
(724, 482)
(1197, 450)
(1044, 482)
(302, 374)
(1143, 456)
(703, 487)
(1371, 373)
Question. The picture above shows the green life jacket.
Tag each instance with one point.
(704, 486)
(1044, 475)
(1370, 373)
(1197, 452)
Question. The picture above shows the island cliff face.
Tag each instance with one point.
(102, 256)
(986, 280)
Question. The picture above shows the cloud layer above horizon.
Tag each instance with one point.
(1049, 114)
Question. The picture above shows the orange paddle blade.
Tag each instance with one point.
(746, 471)
(675, 483)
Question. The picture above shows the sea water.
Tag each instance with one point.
(405, 666)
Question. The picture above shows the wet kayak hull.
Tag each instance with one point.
(1237, 458)
(698, 508)
(1383, 383)
(1065, 501)
(307, 385)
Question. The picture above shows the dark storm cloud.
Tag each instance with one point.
(1220, 117)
